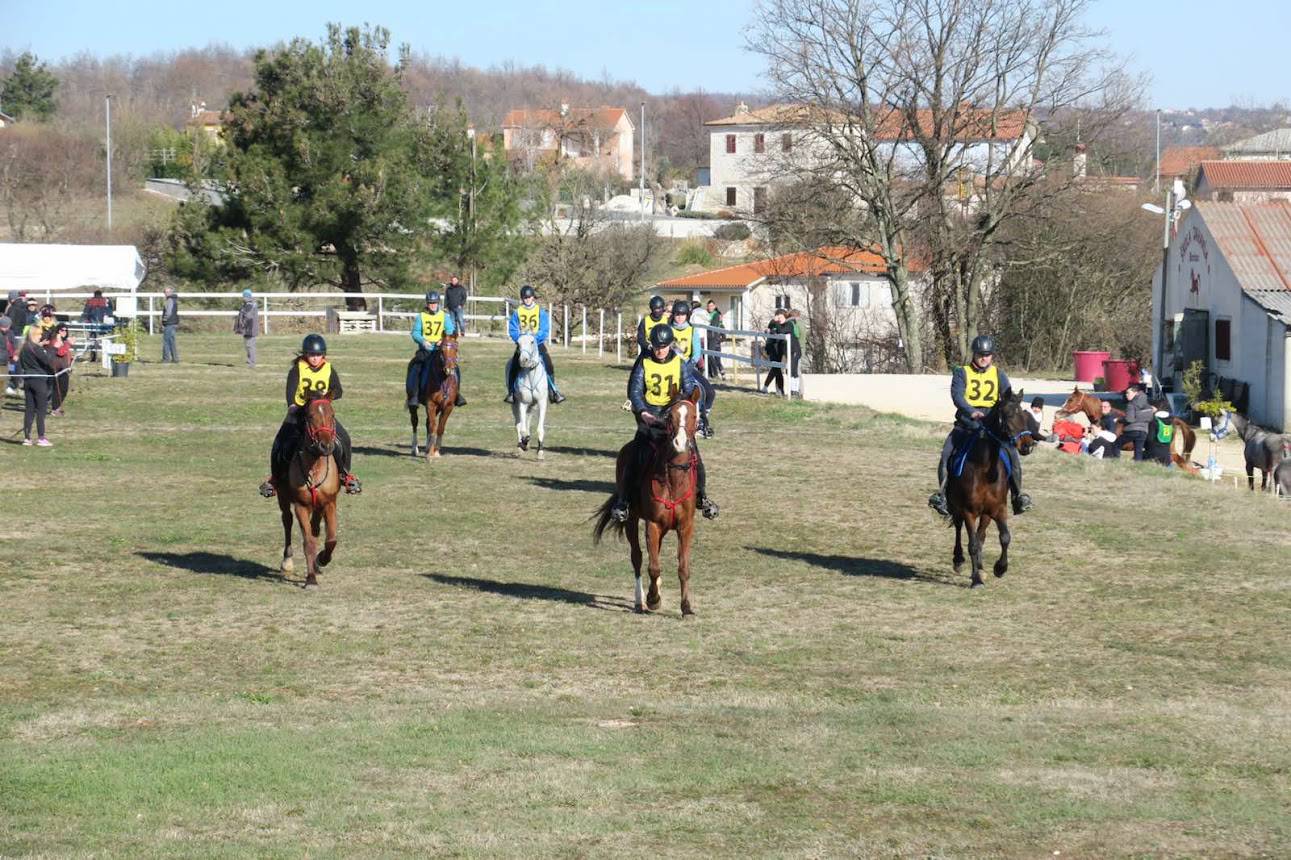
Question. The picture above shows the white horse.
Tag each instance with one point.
(530, 391)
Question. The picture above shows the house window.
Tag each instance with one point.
(730, 196)
(730, 144)
(1223, 344)
(786, 142)
(759, 143)
(782, 302)
(759, 200)
(860, 296)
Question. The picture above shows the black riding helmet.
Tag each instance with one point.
(313, 344)
(432, 297)
(661, 336)
(527, 292)
(681, 306)
(983, 344)
(657, 304)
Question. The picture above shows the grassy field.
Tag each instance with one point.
(469, 679)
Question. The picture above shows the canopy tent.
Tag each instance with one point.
(62, 268)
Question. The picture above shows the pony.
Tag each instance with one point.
(1084, 402)
(311, 487)
(1263, 450)
(980, 492)
(530, 392)
(664, 498)
(438, 397)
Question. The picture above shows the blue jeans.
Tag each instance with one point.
(169, 352)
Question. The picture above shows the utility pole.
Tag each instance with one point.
(472, 209)
(643, 146)
(1156, 179)
(107, 102)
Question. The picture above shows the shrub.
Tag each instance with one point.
(694, 253)
(696, 213)
(736, 232)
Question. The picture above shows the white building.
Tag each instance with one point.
(1271, 145)
(593, 138)
(1227, 302)
(753, 150)
(1244, 181)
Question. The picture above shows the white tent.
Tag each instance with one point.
(62, 268)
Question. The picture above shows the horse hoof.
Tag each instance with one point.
(287, 565)
(541, 455)
(653, 605)
(311, 582)
(325, 559)
(687, 613)
(977, 583)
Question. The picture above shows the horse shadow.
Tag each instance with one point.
(583, 486)
(851, 566)
(369, 451)
(209, 562)
(529, 591)
(582, 452)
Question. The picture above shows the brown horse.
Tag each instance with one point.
(1087, 403)
(313, 482)
(665, 499)
(980, 493)
(438, 397)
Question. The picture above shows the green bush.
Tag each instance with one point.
(736, 232)
(695, 213)
(693, 253)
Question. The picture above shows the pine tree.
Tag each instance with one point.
(28, 93)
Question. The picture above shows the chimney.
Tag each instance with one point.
(564, 109)
(741, 108)
(1078, 163)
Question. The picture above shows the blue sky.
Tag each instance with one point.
(1198, 54)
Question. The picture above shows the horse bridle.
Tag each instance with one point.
(317, 435)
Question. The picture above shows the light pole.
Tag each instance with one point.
(107, 103)
(643, 145)
(1156, 180)
(1176, 203)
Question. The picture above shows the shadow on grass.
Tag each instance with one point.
(209, 562)
(581, 486)
(394, 451)
(582, 452)
(527, 591)
(851, 566)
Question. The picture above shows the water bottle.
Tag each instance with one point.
(1210, 468)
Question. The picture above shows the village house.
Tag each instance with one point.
(1227, 303)
(1244, 181)
(599, 138)
(207, 122)
(1181, 162)
(1270, 146)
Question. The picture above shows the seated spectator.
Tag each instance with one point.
(1035, 421)
(1160, 437)
(1103, 441)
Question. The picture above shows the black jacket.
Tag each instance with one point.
(34, 359)
(170, 311)
(455, 297)
(775, 346)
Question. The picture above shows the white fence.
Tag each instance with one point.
(755, 360)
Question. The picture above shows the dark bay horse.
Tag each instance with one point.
(1181, 453)
(980, 493)
(438, 397)
(313, 483)
(665, 499)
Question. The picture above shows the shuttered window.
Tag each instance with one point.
(730, 144)
(1223, 340)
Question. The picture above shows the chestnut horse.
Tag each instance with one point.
(313, 483)
(438, 397)
(980, 493)
(665, 498)
(1083, 401)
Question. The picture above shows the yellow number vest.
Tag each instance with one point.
(650, 322)
(685, 342)
(662, 380)
(432, 326)
(312, 380)
(530, 318)
(982, 387)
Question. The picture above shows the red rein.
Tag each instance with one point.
(670, 504)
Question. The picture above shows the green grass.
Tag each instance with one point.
(469, 680)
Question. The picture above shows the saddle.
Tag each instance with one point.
(963, 442)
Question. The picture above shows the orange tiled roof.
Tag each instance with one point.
(973, 124)
(1180, 160)
(600, 117)
(1237, 175)
(207, 117)
(808, 264)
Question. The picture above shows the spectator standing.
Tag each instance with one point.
(59, 345)
(775, 350)
(95, 309)
(795, 345)
(715, 339)
(455, 303)
(38, 370)
(1138, 413)
(16, 310)
(9, 346)
(169, 325)
(247, 324)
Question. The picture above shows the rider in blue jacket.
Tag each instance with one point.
(656, 382)
(428, 328)
(529, 317)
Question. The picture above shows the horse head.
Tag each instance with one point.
(448, 352)
(320, 425)
(1076, 402)
(1009, 421)
(529, 356)
(682, 422)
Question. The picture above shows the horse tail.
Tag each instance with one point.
(604, 522)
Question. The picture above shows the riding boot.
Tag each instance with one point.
(413, 385)
(1021, 501)
(619, 510)
(553, 392)
(461, 401)
(707, 506)
(344, 453)
(937, 501)
(284, 444)
(513, 371)
(706, 425)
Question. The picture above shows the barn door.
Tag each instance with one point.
(1193, 341)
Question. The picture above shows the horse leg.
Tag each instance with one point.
(412, 415)
(542, 425)
(684, 534)
(633, 532)
(329, 547)
(1006, 537)
(521, 413)
(974, 549)
(442, 423)
(315, 520)
(430, 429)
(311, 546)
(654, 542)
(1250, 476)
(983, 523)
(285, 506)
(958, 559)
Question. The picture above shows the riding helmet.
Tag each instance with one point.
(527, 292)
(314, 345)
(661, 336)
(983, 344)
(681, 306)
(432, 297)
(657, 304)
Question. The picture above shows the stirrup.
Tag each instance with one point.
(619, 512)
(556, 397)
(352, 485)
(1022, 503)
(268, 490)
(709, 508)
(413, 402)
(510, 398)
(461, 401)
(937, 501)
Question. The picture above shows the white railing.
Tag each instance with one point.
(755, 360)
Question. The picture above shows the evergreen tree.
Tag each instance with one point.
(28, 93)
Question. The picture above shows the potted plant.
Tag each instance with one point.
(128, 336)
(1214, 406)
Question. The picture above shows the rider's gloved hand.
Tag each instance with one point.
(649, 418)
(977, 416)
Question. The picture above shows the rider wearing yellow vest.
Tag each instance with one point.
(658, 315)
(688, 343)
(530, 318)
(656, 382)
(975, 388)
(311, 375)
(428, 329)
